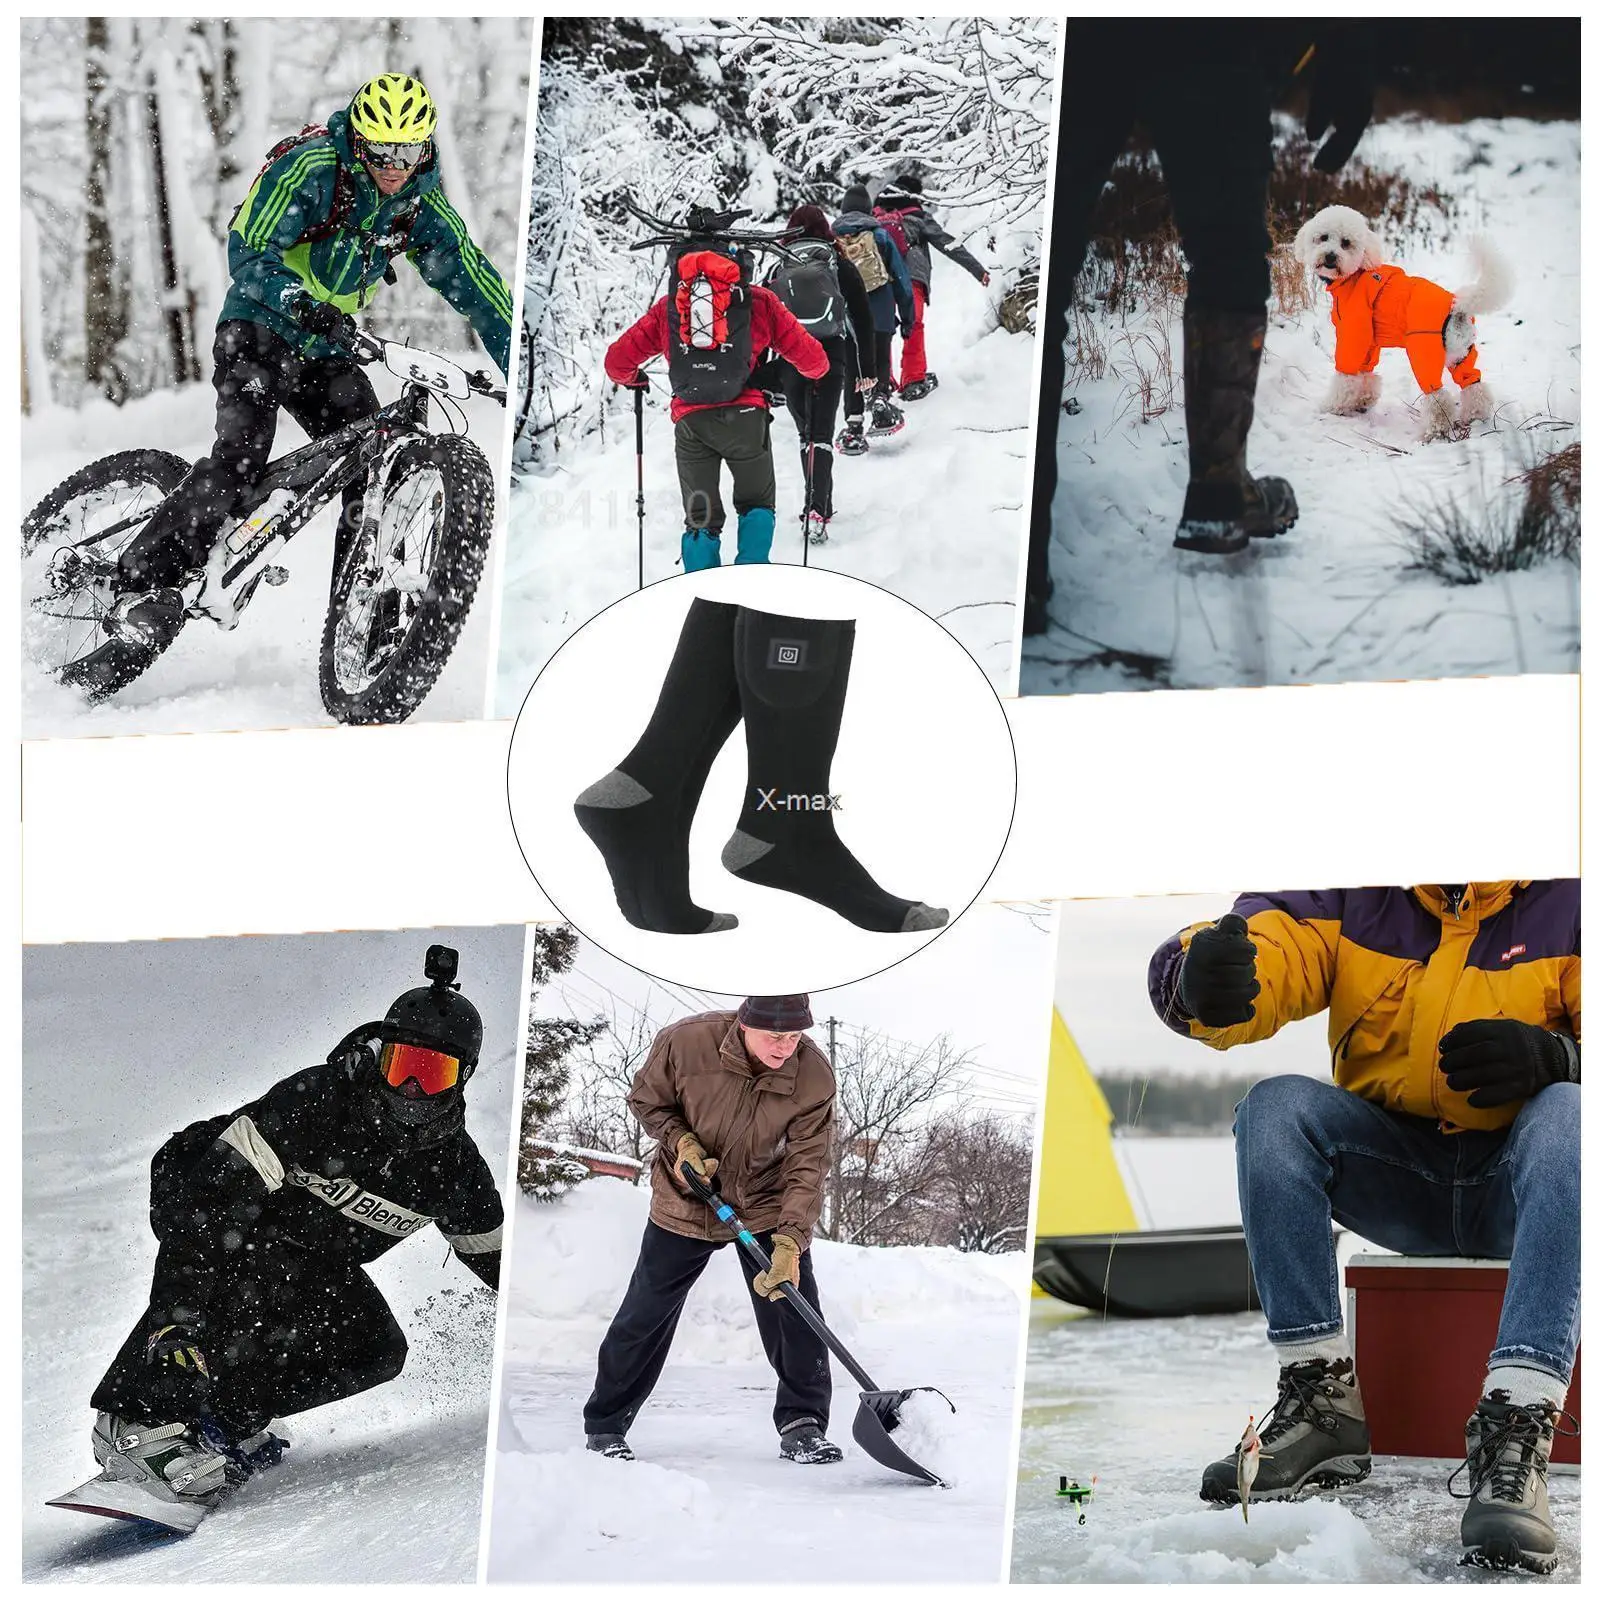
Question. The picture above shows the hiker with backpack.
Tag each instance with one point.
(312, 243)
(899, 204)
(714, 326)
(821, 286)
(871, 249)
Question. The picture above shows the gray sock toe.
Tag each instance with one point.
(720, 922)
(920, 918)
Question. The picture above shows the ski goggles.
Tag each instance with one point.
(394, 157)
(431, 1070)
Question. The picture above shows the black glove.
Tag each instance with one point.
(323, 318)
(1217, 981)
(177, 1346)
(1341, 98)
(1502, 1061)
(639, 381)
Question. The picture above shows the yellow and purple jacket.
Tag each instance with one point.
(1396, 969)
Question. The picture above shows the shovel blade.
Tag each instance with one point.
(877, 1417)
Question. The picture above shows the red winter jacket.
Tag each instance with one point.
(772, 327)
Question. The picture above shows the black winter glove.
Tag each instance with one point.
(1217, 981)
(1341, 98)
(323, 318)
(176, 1346)
(639, 381)
(1501, 1061)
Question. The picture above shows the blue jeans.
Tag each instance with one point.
(1311, 1153)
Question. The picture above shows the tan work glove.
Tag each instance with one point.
(691, 1153)
(785, 1268)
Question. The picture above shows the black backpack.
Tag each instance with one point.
(709, 347)
(808, 284)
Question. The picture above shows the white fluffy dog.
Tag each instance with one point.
(1378, 307)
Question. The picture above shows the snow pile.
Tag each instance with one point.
(708, 1475)
(1333, 600)
(931, 1433)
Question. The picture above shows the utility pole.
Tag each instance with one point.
(837, 1153)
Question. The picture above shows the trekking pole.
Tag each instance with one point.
(811, 476)
(638, 449)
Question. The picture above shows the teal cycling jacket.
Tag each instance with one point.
(271, 261)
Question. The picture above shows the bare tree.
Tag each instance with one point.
(105, 287)
(984, 1164)
(596, 1115)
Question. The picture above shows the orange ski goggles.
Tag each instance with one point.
(431, 1070)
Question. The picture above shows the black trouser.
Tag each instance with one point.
(1203, 94)
(814, 405)
(635, 1347)
(256, 372)
(288, 1334)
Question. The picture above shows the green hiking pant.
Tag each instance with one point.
(738, 435)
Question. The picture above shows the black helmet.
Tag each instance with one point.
(437, 1019)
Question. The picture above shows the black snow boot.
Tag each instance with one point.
(920, 388)
(853, 440)
(1315, 1436)
(614, 1445)
(1225, 508)
(806, 1443)
(887, 417)
(1507, 1521)
(141, 627)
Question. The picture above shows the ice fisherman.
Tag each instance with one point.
(745, 1097)
(1450, 1126)
(266, 1216)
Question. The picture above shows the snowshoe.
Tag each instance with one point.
(807, 1444)
(887, 418)
(612, 1445)
(1315, 1436)
(919, 388)
(161, 1475)
(816, 526)
(853, 441)
(1506, 1525)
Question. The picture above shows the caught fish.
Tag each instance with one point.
(1249, 1463)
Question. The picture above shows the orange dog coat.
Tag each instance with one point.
(1382, 308)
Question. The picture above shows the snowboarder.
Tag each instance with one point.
(312, 242)
(746, 1098)
(820, 284)
(900, 201)
(1203, 90)
(871, 249)
(1451, 1127)
(259, 1307)
(715, 326)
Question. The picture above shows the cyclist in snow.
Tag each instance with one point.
(843, 327)
(1450, 1127)
(266, 1216)
(720, 413)
(744, 1097)
(313, 242)
(901, 202)
(873, 252)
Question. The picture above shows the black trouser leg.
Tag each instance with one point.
(635, 1347)
(814, 405)
(855, 402)
(884, 346)
(798, 1356)
(327, 395)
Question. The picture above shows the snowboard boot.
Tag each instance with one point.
(853, 441)
(806, 1443)
(1315, 1436)
(141, 627)
(887, 418)
(245, 1456)
(816, 526)
(1225, 508)
(612, 1445)
(167, 1460)
(1507, 1521)
(919, 388)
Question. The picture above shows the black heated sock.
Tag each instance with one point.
(792, 678)
(639, 814)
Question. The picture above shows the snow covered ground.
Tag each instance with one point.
(1331, 601)
(124, 1043)
(933, 513)
(264, 673)
(708, 1495)
(1144, 1406)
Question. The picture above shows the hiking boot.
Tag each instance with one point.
(1315, 1436)
(1507, 1521)
(853, 440)
(166, 1460)
(614, 1445)
(816, 527)
(919, 388)
(1225, 508)
(805, 1442)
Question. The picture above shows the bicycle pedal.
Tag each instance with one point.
(275, 577)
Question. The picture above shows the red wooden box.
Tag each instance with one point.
(1422, 1328)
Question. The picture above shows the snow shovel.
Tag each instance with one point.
(878, 1414)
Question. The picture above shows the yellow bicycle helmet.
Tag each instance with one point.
(393, 109)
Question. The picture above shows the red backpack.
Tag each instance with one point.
(890, 222)
(709, 347)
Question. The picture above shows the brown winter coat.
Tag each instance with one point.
(770, 1129)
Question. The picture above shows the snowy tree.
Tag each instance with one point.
(982, 1192)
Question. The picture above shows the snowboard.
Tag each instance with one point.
(102, 1496)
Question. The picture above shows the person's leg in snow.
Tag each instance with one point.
(700, 483)
(800, 1359)
(814, 405)
(635, 1347)
(914, 347)
(744, 437)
